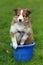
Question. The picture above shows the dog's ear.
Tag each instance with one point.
(28, 12)
(15, 10)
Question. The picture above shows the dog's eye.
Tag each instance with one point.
(24, 16)
(17, 15)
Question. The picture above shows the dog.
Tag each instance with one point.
(21, 30)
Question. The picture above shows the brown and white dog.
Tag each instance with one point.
(21, 31)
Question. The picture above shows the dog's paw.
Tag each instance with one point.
(22, 43)
(15, 46)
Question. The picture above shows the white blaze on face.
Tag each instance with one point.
(20, 16)
(21, 12)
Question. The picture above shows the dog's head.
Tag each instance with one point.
(22, 15)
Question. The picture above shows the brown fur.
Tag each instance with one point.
(30, 34)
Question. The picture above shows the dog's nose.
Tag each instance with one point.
(20, 20)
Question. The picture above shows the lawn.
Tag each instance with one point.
(6, 15)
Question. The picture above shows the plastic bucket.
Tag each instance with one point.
(23, 52)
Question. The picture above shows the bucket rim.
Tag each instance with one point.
(28, 45)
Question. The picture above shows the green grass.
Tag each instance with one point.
(6, 15)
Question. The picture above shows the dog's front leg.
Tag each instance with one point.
(13, 32)
(23, 39)
(14, 41)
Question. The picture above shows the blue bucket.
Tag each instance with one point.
(23, 52)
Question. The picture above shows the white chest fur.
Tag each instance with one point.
(19, 27)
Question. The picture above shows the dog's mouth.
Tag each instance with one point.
(20, 21)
